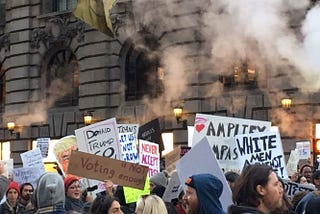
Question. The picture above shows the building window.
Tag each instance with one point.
(143, 73)
(242, 75)
(2, 89)
(62, 79)
(2, 12)
(50, 6)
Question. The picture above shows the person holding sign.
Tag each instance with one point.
(257, 190)
(202, 194)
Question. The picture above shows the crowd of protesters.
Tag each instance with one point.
(257, 190)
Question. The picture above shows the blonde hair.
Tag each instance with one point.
(151, 204)
(64, 144)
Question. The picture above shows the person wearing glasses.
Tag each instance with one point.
(25, 204)
(73, 194)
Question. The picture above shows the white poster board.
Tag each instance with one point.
(100, 138)
(124, 128)
(292, 164)
(128, 147)
(149, 156)
(27, 175)
(43, 145)
(201, 159)
(33, 158)
(265, 147)
(220, 132)
(303, 149)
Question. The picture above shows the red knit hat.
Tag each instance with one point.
(13, 185)
(69, 180)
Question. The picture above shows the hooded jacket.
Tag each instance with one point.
(234, 209)
(209, 188)
(49, 194)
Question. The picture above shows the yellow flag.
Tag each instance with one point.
(96, 14)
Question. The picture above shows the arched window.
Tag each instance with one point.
(143, 73)
(62, 79)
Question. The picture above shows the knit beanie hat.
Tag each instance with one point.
(159, 179)
(13, 185)
(68, 181)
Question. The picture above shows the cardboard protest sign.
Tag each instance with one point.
(172, 157)
(32, 158)
(292, 188)
(201, 159)
(132, 194)
(128, 147)
(100, 139)
(124, 128)
(27, 175)
(172, 189)
(220, 132)
(151, 132)
(103, 168)
(265, 147)
(43, 145)
(149, 156)
(303, 149)
(292, 164)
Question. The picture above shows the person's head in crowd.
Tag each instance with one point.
(158, 179)
(306, 171)
(158, 190)
(181, 206)
(26, 191)
(286, 205)
(297, 198)
(72, 187)
(202, 194)
(105, 205)
(12, 193)
(231, 177)
(316, 179)
(313, 206)
(49, 196)
(258, 188)
(150, 204)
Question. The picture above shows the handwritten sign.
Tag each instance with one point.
(100, 139)
(201, 159)
(292, 164)
(172, 189)
(128, 147)
(132, 194)
(27, 175)
(171, 158)
(220, 132)
(264, 148)
(303, 149)
(124, 128)
(151, 132)
(43, 145)
(102, 168)
(149, 156)
(8, 165)
(33, 158)
(291, 188)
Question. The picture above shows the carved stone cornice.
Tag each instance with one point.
(5, 42)
(58, 31)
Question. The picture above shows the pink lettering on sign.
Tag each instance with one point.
(149, 149)
(149, 160)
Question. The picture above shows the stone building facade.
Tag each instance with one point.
(55, 68)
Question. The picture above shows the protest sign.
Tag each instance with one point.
(220, 132)
(292, 188)
(33, 158)
(100, 139)
(292, 164)
(43, 145)
(201, 159)
(27, 175)
(149, 156)
(303, 149)
(172, 157)
(132, 194)
(128, 147)
(172, 189)
(190, 135)
(103, 168)
(151, 132)
(124, 128)
(8, 165)
(265, 147)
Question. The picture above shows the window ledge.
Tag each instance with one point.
(54, 14)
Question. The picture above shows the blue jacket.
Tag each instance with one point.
(209, 189)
